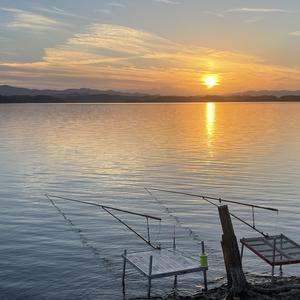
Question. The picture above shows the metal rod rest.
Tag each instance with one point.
(149, 276)
(246, 223)
(148, 230)
(131, 229)
(124, 270)
(253, 218)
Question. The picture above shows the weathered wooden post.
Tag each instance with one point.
(235, 275)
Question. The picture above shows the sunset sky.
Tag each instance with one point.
(152, 46)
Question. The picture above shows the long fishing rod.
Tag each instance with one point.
(108, 208)
(208, 199)
(213, 198)
(105, 206)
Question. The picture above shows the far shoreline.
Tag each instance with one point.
(121, 99)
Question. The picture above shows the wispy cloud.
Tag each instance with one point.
(250, 21)
(167, 1)
(5, 38)
(104, 11)
(57, 11)
(223, 13)
(23, 19)
(116, 57)
(116, 4)
(120, 39)
(258, 10)
(215, 14)
(295, 33)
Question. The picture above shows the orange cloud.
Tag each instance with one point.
(118, 57)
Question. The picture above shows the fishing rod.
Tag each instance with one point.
(213, 198)
(220, 200)
(105, 206)
(108, 210)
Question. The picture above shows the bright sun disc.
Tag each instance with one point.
(210, 81)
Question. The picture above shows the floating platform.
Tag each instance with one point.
(276, 250)
(163, 263)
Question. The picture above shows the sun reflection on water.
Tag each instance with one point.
(210, 125)
(210, 118)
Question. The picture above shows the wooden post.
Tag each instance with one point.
(235, 275)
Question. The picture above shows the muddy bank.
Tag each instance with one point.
(260, 288)
(285, 288)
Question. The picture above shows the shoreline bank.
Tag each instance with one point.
(260, 288)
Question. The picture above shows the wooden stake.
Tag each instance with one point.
(235, 275)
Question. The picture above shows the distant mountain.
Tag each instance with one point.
(10, 94)
(7, 90)
(105, 98)
(278, 93)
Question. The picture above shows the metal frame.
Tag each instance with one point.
(149, 274)
(271, 241)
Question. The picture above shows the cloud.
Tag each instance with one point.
(104, 11)
(116, 4)
(108, 56)
(23, 19)
(219, 15)
(247, 10)
(120, 39)
(250, 21)
(295, 33)
(167, 1)
(258, 10)
(5, 38)
(57, 11)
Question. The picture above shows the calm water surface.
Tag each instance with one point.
(108, 154)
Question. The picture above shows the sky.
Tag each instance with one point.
(163, 47)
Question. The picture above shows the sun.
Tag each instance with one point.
(210, 81)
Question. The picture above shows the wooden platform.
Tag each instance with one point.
(163, 263)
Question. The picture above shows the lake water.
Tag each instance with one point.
(107, 154)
